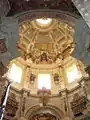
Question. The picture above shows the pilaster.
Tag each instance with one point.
(64, 93)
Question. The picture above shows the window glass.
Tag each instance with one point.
(15, 73)
(44, 81)
(73, 73)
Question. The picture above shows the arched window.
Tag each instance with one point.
(44, 81)
(15, 73)
(73, 73)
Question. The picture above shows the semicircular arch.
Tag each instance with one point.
(49, 108)
(58, 14)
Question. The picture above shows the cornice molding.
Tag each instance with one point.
(58, 14)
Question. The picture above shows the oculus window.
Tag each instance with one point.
(44, 21)
(73, 73)
(44, 81)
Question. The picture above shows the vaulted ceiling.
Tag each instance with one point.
(46, 43)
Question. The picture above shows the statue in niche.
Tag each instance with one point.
(32, 78)
(56, 78)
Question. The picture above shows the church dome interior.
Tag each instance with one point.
(46, 46)
(44, 60)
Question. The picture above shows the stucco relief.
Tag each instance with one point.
(78, 104)
(46, 45)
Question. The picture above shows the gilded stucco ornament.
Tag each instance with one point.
(78, 104)
(47, 44)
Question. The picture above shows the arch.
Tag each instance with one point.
(33, 14)
(49, 108)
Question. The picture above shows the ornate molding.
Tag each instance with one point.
(33, 14)
(78, 104)
(12, 106)
(57, 43)
(37, 109)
